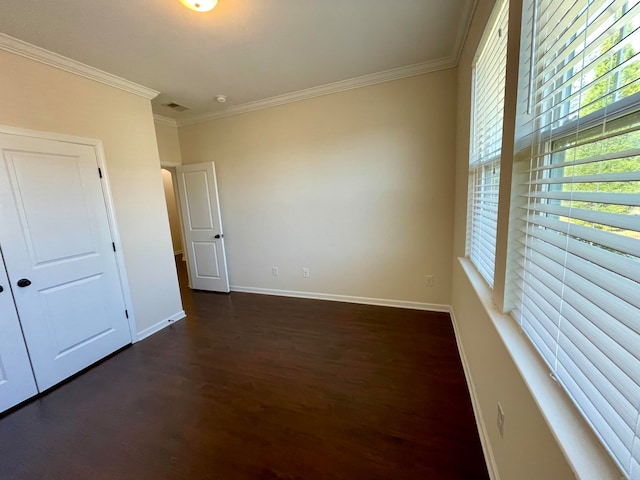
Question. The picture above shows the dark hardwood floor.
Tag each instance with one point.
(260, 387)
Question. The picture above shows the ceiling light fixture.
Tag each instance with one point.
(200, 5)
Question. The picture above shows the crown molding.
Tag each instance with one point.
(162, 120)
(20, 47)
(327, 89)
(461, 38)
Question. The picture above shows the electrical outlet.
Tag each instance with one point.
(428, 280)
(275, 271)
(500, 420)
(305, 272)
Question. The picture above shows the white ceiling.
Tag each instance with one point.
(248, 50)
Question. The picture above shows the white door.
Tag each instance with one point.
(56, 242)
(16, 378)
(202, 225)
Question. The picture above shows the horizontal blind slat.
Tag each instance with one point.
(612, 241)
(616, 220)
(576, 222)
(565, 374)
(604, 258)
(489, 73)
(604, 374)
(624, 289)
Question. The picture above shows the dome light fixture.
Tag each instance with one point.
(200, 5)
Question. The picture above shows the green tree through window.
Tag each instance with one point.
(615, 77)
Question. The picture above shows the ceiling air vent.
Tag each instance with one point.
(175, 106)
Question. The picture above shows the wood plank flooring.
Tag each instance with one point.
(260, 387)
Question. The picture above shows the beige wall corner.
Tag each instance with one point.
(39, 97)
(168, 145)
(357, 186)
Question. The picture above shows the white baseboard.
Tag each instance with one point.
(475, 403)
(147, 332)
(433, 307)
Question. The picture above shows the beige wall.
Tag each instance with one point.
(172, 209)
(168, 144)
(528, 449)
(39, 97)
(355, 185)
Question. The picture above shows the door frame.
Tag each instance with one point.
(109, 206)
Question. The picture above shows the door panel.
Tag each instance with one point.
(206, 259)
(16, 378)
(71, 331)
(202, 224)
(55, 233)
(198, 200)
(38, 199)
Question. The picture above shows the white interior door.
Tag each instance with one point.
(202, 225)
(57, 246)
(16, 378)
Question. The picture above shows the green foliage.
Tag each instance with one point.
(617, 144)
(622, 83)
(612, 87)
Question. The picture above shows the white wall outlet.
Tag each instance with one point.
(275, 271)
(500, 420)
(305, 272)
(428, 280)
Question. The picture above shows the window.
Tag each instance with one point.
(578, 288)
(486, 142)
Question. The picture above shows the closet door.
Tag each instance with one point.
(16, 378)
(56, 241)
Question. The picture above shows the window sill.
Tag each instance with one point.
(583, 451)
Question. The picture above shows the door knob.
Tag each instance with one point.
(24, 282)
(218, 236)
(1, 289)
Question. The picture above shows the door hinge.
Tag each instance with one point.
(100, 172)
(114, 246)
(126, 312)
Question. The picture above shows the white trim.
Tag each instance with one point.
(461, 38)
(162, 120)
(110, 206)
(60, 137)
(147, 332)
(177, 252)
(170, 165)
(585, 454)
(33, 52)
(433, 307)
(485, 441)
(115, 234)
(327, 89)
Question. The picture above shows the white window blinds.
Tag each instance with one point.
(579, 249)
(486, 142)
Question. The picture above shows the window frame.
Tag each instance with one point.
(611, 112)
(482, 257)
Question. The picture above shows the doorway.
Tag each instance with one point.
(193, 206)
(173, 211)
(169, 184)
